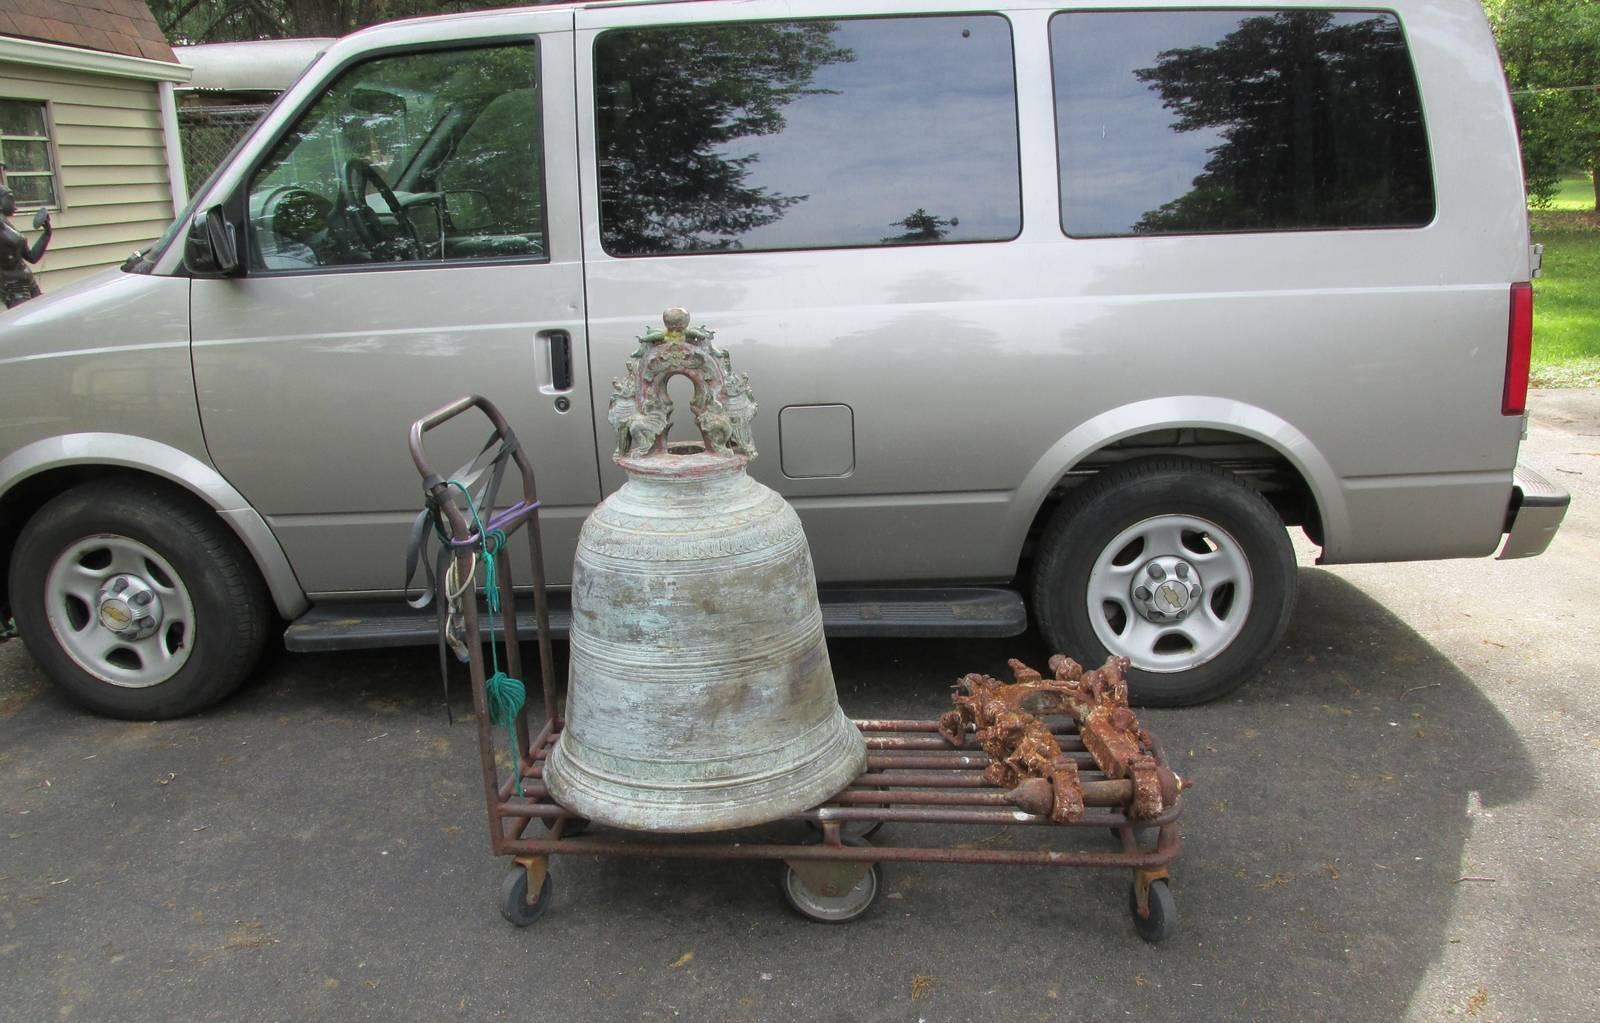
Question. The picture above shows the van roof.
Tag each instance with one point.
(570, 5)
(582, 5)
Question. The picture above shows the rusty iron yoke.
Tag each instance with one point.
(1025, 756)
(913, 777)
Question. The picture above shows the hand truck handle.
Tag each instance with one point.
(442, 415)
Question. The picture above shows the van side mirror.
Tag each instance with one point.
(212, 248)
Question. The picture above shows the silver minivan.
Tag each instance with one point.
(1060, 309)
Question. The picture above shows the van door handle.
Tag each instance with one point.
(560, 343)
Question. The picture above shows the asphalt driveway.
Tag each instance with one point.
(1396, 821)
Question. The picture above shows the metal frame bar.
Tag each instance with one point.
(926, 794)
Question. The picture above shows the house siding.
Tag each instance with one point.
(111, 164)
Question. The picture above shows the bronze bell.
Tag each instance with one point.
(700, 696)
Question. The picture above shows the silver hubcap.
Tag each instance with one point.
(1170, 593)
(120, 611)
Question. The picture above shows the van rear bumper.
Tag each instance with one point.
(1536, 510)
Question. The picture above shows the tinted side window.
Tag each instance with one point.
(1180, 122)
(807, 134)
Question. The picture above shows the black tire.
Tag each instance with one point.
(1163, 916)
(1097, 512)
(231, 609)
(514, 905)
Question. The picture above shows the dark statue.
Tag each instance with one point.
(16, 280)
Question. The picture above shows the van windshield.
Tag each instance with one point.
(144, 260)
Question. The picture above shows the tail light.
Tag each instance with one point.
(1519, 349)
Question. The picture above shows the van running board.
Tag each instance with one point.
(966, 612)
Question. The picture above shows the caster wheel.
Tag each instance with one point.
(851, 829)
(1163, 912)
(575, 825)
(514, 905)
(817, 897)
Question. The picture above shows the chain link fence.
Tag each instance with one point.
(210, 133)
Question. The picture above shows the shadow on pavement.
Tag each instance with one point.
(316, 846)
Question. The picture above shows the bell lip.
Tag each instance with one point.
(683, 460)
(834, 764)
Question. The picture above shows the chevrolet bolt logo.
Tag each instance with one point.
(115, 616)
(1171, 597)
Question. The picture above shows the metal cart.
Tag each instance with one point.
(913, 776)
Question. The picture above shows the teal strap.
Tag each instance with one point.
(505, 695)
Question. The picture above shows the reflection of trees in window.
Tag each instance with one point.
(466, 120)
(669, 102)
(483, 110)
(499, 156)
(922, 226)
(1320, 123)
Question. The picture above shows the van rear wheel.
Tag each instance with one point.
(137, 601)
(1176, 565)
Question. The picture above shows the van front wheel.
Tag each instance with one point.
(137, 601)
(1176, 565)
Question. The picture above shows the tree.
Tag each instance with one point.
(216, 21)
(1551, 51)
(673, 110)
(1304, 105)
(922, 226)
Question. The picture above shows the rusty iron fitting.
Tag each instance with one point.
(1035, 796)
(1147, 795)
(1068, 791)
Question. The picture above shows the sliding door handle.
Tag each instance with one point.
(560, 352)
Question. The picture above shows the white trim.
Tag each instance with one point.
(73, 58)
(172, 142)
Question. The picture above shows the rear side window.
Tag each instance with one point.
(1191, 122)
(807, 134)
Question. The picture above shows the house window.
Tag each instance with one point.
(25, 153)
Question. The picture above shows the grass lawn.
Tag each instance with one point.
(1566, 304)
(1574, 194)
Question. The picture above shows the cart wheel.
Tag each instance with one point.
(575, 825)
(1163, 911)
(514, 905)
(838, 908)
(851, 829)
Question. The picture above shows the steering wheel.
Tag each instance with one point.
(358, 174)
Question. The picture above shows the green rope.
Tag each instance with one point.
(505, 695)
